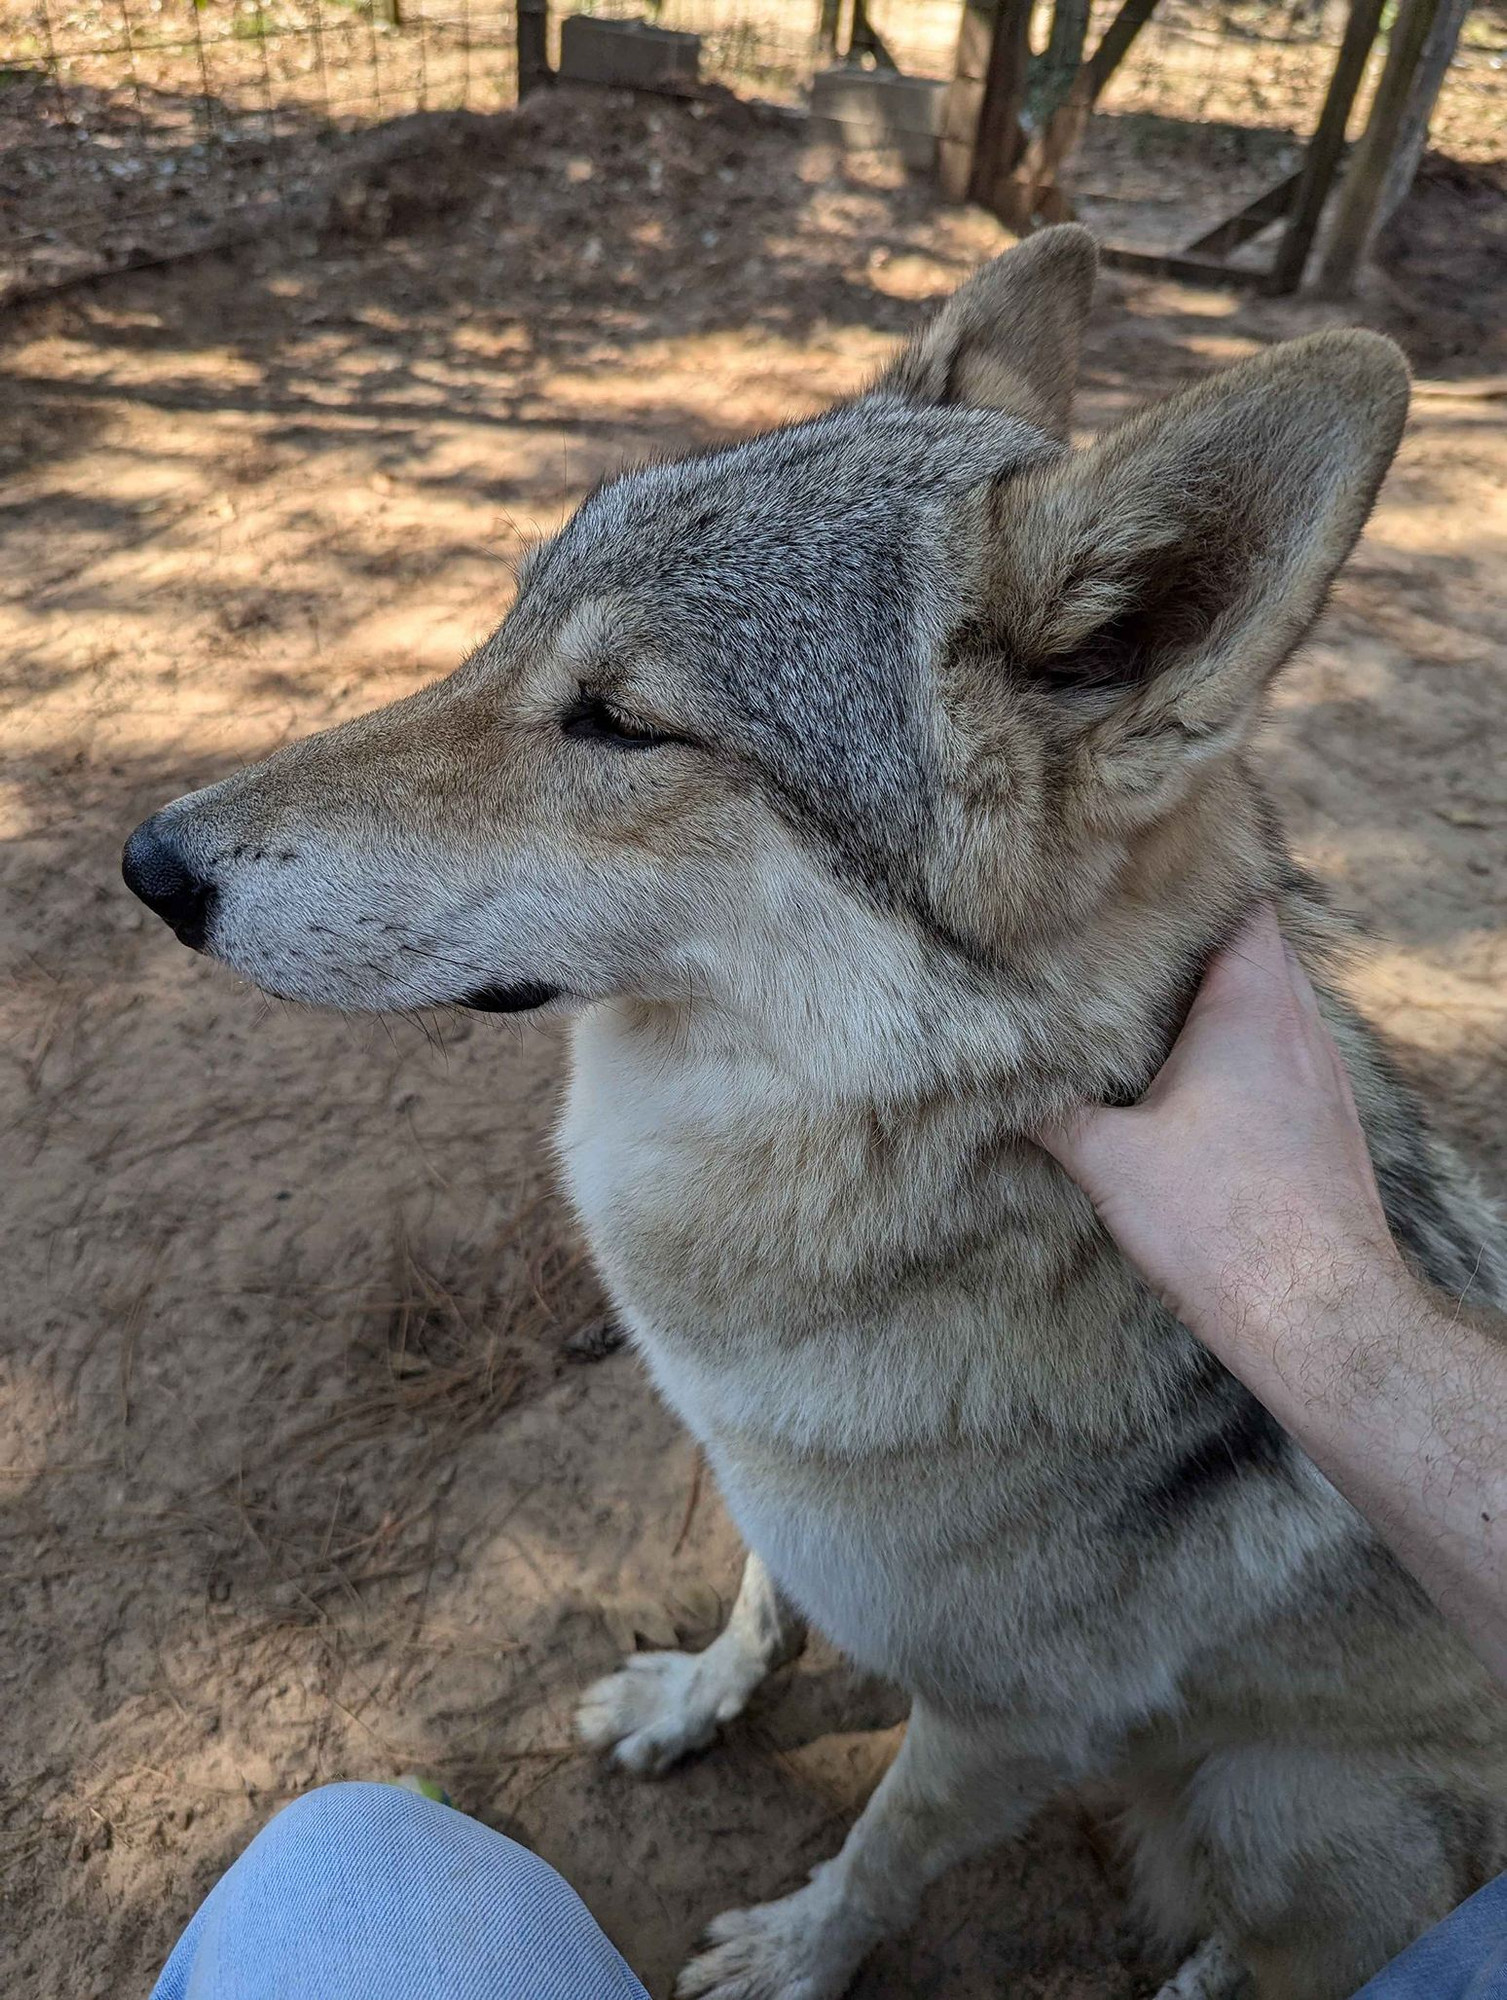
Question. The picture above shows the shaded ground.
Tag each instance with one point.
(130, 134)
(300, 1479)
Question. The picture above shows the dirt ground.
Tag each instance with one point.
(311, 1465)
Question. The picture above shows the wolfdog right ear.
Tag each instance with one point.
(1009, 338)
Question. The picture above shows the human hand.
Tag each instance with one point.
(1240, 1186)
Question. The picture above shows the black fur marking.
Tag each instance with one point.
(1469, 1834)
(1239, 1439)
(1417, 1208)
(508, 999)
(1422, 1222)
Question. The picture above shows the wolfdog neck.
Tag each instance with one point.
(888, 1014)
(842, 1165)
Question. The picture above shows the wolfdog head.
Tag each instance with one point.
(825, 727)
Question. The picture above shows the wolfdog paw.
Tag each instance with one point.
(659, 1707)
(1212, 1973)
(779, 1951)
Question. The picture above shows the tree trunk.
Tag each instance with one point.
(866, 40)
(1053, 70)
(1032, 189)
(1412, 136)
(828, 23)
(1000, 137)
(1357, 212)
(1326, 146)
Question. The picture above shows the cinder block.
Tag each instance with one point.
(628, 54)
(917, 149)
(879, 104)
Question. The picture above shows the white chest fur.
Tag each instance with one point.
(887, 1333)
(834, 1283)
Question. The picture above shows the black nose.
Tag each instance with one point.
(156, 871)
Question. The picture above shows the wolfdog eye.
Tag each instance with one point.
(593, 721)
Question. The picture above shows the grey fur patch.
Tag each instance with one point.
(803, 584)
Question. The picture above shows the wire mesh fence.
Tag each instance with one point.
(136, 128)
(1215, 105)
(1255, 62)
(773, 49)
(132, 128)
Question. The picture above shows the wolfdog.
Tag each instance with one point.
(872, 791)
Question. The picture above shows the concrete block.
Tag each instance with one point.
(880, 102)
(628, 54)
(917, 149)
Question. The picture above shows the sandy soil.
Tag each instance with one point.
(307, 1471)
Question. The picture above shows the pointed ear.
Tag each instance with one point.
(1009, 338)
(1156, 581)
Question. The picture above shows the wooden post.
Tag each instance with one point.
(1033, 186)
(965, 99)
(1326, 145)
(1358, 215)
(533, 46)
(999, 138)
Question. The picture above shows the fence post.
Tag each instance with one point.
(533, 46)
(981, 134)
(1326, 145)
(1000, 138)
(1358, 213)
(965, 99)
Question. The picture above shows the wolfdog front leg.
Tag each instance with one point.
(658, 1707)
(955, 1789)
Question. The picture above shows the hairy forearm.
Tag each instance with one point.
(1398, 1396)
(1242, 1190)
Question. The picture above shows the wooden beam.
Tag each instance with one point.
(1246, 222)
(1178, 264)
(1326, 146)
(1357, 212)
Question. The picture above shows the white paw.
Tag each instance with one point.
(790, 1950)
(658, 1707)
(1212, 1973)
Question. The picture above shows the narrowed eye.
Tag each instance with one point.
(595, 721)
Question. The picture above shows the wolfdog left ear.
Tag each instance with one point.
(1155, 582)
(1009, 338)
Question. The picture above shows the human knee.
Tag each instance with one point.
(337, 1831)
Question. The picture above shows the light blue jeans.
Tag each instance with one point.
(366, 1892)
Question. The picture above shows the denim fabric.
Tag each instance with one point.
(1464, 1958)
(366, 1892)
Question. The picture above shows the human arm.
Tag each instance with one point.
(1242, 1190)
